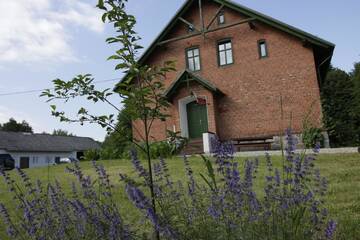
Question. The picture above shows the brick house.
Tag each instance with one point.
(240, 74)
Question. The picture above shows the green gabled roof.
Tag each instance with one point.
(186, 77)
(246, 11)
(323, 49)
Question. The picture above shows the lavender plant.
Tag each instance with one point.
(226, 205)
(46, 212)
(219, 204)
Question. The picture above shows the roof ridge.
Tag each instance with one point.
(49, 134)
(42, 134)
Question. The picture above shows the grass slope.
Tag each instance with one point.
(342, 171)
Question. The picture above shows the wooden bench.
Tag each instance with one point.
(253, 143)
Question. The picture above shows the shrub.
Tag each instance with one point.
(161, 149)
(224, 205)
(311, 136)
(176, 142)
(91, 155)
(157, 150)
(173, 145)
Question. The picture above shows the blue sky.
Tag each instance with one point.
(41, 40)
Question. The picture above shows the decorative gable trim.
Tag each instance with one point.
(323, 49)
(246, 11)
(187, 77)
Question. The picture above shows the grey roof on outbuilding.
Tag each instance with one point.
(28, 142)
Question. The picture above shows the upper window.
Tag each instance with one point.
(193, 59)
(221, 18)
(191, 28)
(225, 53)
(263, 51)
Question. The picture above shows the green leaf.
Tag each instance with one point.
(210, 171)
(101, 5)
(121, 66)
(104, 16)
(113, 57)
(207, 182)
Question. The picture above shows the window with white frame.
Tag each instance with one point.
(193, 59)
(221, 18)
(225, 54)
(263, 51)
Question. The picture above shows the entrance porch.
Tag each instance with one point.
(194, 100)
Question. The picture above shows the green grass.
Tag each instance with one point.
(342, 171)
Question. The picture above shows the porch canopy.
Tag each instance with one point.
(194, 104)
(186, 78)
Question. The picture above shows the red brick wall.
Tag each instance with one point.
(252, 86)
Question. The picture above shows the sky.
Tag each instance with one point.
(41, 40)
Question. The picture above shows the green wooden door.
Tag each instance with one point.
(197, 120)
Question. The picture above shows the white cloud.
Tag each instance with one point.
(38, 30)
(75, 15)
(6, 114)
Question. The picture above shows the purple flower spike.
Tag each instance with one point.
(330, 229)
(10, 229)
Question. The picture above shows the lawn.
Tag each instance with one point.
(342, 171)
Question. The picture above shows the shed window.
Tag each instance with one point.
(193, 59)
(35, 160)
(221, 18)
(225, 53)
(263, 52)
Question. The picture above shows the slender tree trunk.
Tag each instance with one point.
(148, 155)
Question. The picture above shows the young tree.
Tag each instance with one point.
(13, 126)
(140, 90)
(117, 142)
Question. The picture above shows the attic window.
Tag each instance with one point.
(191, 28)
(263, 51)
(221, 18)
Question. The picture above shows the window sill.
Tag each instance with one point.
(193, 71)
(263, 58)
(226, 65)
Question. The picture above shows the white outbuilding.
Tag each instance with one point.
(35, 150)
